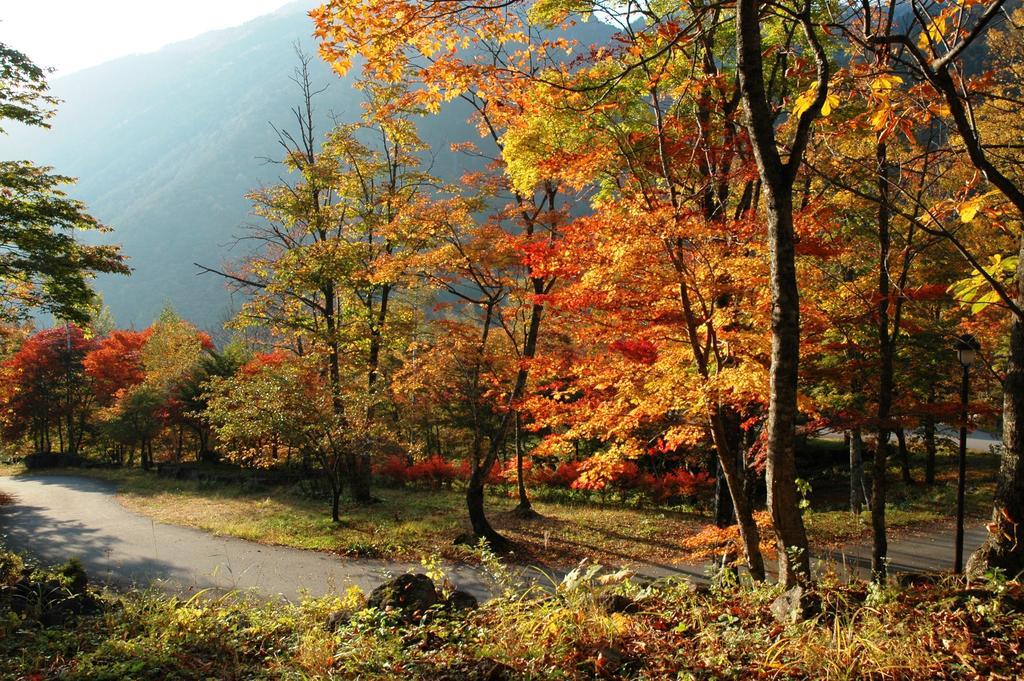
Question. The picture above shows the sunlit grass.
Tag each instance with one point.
(410, 523)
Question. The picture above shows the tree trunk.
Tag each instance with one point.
(79, 431)
(1004, 547)
(363, 465)
(930, 450)
(482, 528)
(71, 428)
(777, 179)
(783, 500)
(359, 478)
(751, 479)
(901, 441)
(525, 508)
(723, 502)
(481, 469)
(336, 502)
(856, 471)
(750, 536)
(358, 472)
(724, 507)
(880, 545)
(885, 372)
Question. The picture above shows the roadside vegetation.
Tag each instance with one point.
(591, 625)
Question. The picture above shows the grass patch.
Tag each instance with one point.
(831, 529)
(413, 523)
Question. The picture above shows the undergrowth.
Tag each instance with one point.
(590, 625)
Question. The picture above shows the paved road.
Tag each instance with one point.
(977, 441)
(929, 551)
(56, 517)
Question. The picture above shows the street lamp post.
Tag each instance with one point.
(967, 348)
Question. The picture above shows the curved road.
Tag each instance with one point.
(55, 517)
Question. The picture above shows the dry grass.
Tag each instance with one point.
(669, 631)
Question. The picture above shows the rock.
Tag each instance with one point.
(335, 620)
(412, 594)
(796, 605)
(461, 600)
(612, 603)
(608, 662)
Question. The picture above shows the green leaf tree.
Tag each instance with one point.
(42, 265)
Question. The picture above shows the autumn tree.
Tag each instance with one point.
(171, 357)
(115, 370)
(191, 392)
(134, 420)
(888, 171)
(482, 367)
(45, 389)
(327, 277)
(116, 364)
(650, 276)
(486, 59)
(932, 46)
(277, 401)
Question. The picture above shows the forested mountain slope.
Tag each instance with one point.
(166, 145)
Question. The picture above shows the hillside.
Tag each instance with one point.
(165, 146)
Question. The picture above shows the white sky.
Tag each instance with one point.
(74, 34)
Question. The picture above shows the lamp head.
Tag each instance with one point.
(967, 347)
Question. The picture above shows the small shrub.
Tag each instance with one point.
(434, 472)
(394, 470)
